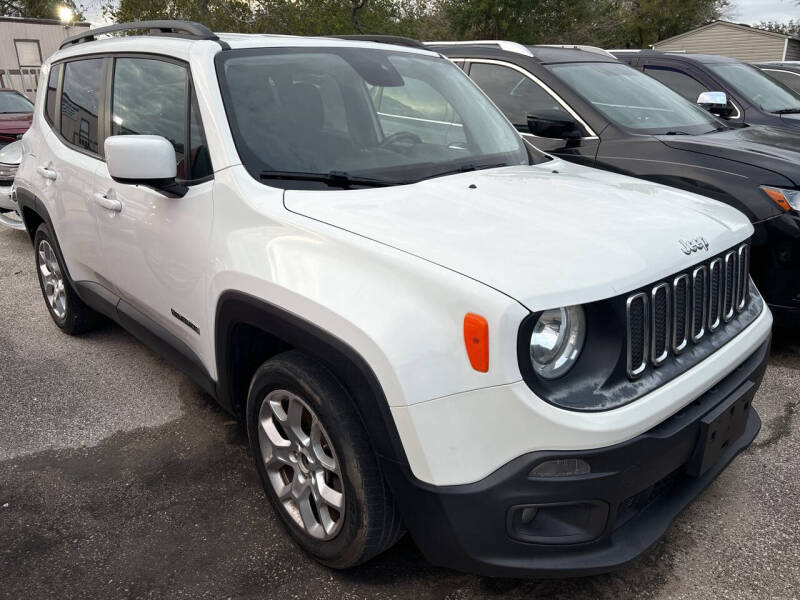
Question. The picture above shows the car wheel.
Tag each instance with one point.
(67, 310)
(316, 463)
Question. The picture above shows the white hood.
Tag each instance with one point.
(546, 235)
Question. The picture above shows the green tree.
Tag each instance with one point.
(644, 22)
(790, 27)
(37, 9)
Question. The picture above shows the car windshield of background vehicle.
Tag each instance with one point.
(11, 102)
(757, 88)
(328, 115)
(634, 100)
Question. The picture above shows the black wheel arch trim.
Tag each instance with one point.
(237, 308)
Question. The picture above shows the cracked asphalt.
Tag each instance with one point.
(119, 478)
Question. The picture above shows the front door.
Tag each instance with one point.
(156, 247)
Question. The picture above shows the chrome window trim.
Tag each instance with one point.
(677, 348)
(657, 360)
(697, 336)
(487, 61)
(635, 372)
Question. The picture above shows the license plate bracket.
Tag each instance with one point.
(719, 428)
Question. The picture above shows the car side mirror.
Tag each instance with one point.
(716, 103)
(144, 160)
(554, 124)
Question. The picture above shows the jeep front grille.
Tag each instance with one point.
(668, 316)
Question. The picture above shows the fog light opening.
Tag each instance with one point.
(562, 467)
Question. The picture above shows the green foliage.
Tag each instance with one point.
(790, 27)
(37, 9)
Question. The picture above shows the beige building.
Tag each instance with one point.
(737, 41)
(24, 45)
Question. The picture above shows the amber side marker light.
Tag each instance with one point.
(476, 340)
(777, 196)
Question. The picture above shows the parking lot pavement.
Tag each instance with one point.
(120, 478)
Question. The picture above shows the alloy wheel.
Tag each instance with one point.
(301, 464)
(52, 279)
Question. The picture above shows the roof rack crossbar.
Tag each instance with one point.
(396, 40)
(502, 44)
(185, 29)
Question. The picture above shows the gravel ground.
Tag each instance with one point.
(120, 478)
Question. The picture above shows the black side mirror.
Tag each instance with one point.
(554, 124)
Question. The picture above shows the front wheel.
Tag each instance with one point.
(316, 464)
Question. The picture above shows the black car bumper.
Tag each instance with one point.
(775, 265)
(588, 523)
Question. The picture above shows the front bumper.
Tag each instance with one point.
(635, 490)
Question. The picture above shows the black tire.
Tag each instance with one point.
(371, 522)
(77, 317)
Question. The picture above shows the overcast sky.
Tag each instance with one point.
(755, 11)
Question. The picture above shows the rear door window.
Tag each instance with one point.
(80, 102)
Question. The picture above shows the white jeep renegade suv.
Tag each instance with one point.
(531, 365)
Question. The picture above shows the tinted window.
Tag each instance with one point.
(632, 99)
(756, 87)
(80, 102)
(50, 97)
(516, 94)
(787, 78)
(149, 98)
(12, 102)
(678, 81)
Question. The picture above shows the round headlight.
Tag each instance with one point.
(557, 340)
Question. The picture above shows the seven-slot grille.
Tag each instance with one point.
(665, 318)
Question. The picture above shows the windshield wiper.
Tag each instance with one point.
(332, 178)
(787, 111)
(677, 133)
(465, 169)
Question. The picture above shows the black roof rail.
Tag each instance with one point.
(172, 28)
(397, 40)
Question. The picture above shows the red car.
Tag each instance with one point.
(16, 113)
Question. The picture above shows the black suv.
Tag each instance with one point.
(588, 107)
(751, 96)
(787, 72)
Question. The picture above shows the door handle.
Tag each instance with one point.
(47, 173)
(108, 203)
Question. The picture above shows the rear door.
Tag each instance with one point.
(67, 159)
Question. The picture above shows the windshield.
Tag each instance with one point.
(634, 100)
(758, 89)
(11, 102)
(379, 116)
